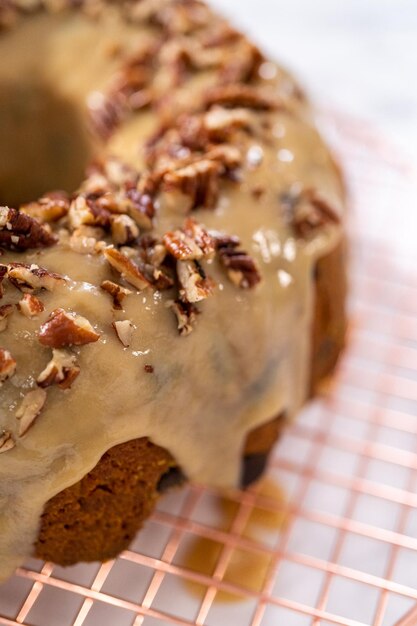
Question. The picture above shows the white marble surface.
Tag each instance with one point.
(357, 55)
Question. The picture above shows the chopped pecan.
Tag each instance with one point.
(221, 123)
(5, 311)
(86, 210)
(242, 64)
(19, 231)
(86, 239)
(117, 292)
(30, 408)
(30, 305)
(123, 230)
(63, 329)
(32, 278)
(245, 96)
(160, 279)
(3, 274)
(139, 203)
(61, 370)
(106, 112)
(190, 243)
(200, 181)
(7, 365)
(124, 331)
(228, 156)
(127, 268)
(6, 441)
(195, 285)
(50, 208)
(186, 314)
(153, 250)
(312, 213)
(241, 268)
(221, 240)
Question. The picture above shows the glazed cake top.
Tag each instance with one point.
(171, 296)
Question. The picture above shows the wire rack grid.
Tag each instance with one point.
(333, 537)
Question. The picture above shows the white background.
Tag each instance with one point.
(359, 55)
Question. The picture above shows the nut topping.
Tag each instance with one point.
(30, 305)
(125, 266)
(195, 285)
(61, 370)
(190, 243)
(85, 239)
(117, 292)
(221, 123)
(5, 311)
(307, 211)
(3, 274)
(123, 230)
(50, 208)
(313, 214)
(7, 365)
(32, 404)
(63, 329)
(21, 232)
(186, 314)
(124, 331)
(241, 268)
(32, 278)
(200, 181)
(6, 441)
(244, 96)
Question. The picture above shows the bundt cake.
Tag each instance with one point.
(163, 321)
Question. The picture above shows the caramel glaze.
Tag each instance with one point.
(248, 357)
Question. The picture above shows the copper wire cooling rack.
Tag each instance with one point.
(333, 539)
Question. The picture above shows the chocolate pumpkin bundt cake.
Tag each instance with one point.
(166, 319)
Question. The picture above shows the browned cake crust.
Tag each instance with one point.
(98, 517)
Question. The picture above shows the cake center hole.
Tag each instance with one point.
(44, 145)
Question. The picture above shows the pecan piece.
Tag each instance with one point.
(117, 292)
(199, 180)
(190, 243)
(30, 408)
(7, 365)
(241, 268)
(5, 311)
(195, 285)
(124, 331)
(123, 230)
(50, 208)
(32, 278)
(311, 212)
(3, 274)
(221, 123)
(128, 270)
(244, 96)
(30, 305)
(19, 231)
(61, 370)
(86, 239)
(6, 441)
(139, 202)
(63, 329)
(186, 314)
(88, 211)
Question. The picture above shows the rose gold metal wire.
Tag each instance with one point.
(396, 321)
